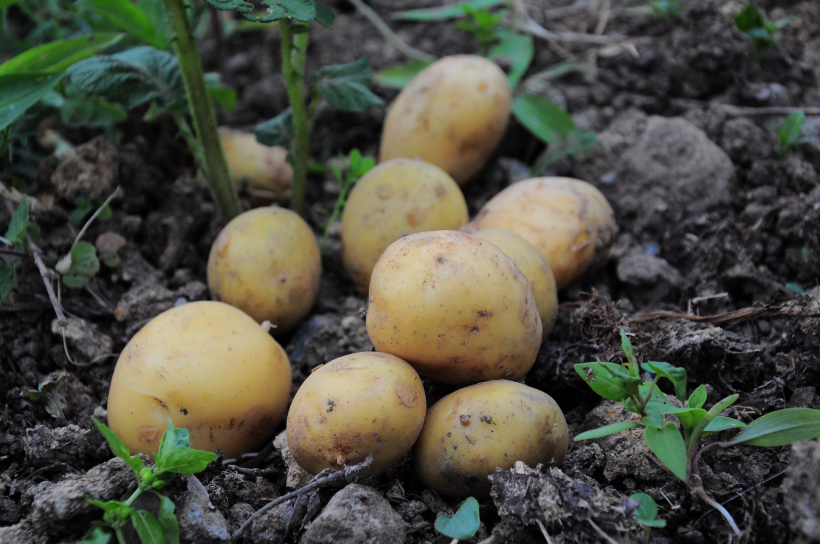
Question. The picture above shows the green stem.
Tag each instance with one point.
(701, 494)
(212, 157)
(133, 497)
(294, 49)
(120, 536)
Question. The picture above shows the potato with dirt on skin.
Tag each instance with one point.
(266, 262)
(473, 431)
(396, 198)
(265, 169)
(211, 369)
(354, 405)
(568, 220)
(455, 307)
(534, 266)
(452, 114)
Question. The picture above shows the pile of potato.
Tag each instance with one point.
(466, 304)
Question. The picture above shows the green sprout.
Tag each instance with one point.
(790, 131)
(483, 24)
(462, 525)
(647, 513)
(357, 167)
(752, 22)
(679, 449)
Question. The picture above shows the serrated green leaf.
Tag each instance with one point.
(463, 524)
(451, 11)
(697, 398)
(647, 512)
(780, 428)
(721, 423)
(347, 86)
(324, 15)
(167, 520)
(607, 379)
(518, 49)
(118, 447)
(674, 374)
(607, 430)
(221, 93)
(97, 535)
(58, 55)
(277, 131)
(148, 528)
(128, 17)
(19, 222)
(21, 90)
(668, 446)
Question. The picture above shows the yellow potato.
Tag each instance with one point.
(473, 431)
(455, 307)
(396, 198)
(266, 262)
(211, 369)
(568, 220)
(534, 266)
(265, 169)
(354, 405)
(452, 114)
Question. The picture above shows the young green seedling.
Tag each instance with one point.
(357, 166)
(54, 403)
(174, 456)
(790, 131)
(462, 525)
(647, 513)
(679, 449)
(483, 24)
(751, 21)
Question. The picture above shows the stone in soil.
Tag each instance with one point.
(200, 522)
(801, 493)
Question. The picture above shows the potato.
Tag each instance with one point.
(473, 431)
(354, 405)
(210, 368)
(568, 220)
(265, 169)
(534, 266)
(455, 307)
(266, 262)
(452, 114)
(396, 198)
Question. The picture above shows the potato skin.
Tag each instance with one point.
(354, 405)
(455, 307)
(452, 114)
(568, 220)
(211, 369)
(396, 198)
(265, 169)
(266, 262)
(534, 266)
(473, 431)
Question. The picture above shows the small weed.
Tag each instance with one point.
(752, 22)
(790, 131)
(85, 207)
(483, 25)
(462, 525)
(647, 513)
(357, 167)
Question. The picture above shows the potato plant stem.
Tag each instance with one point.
(210, 153)
(294, 48)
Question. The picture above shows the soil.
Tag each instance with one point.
(713, 220)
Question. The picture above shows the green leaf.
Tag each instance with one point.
(97, 536)
(324, 15)
(83, 265)
(780, 428)
(6, 3)
(545, 120)
(607, 379)
(50, 384)
(607, 430)
(400, 75)
(118, 447)
(6, 281)
(749, 18)
(668, 446)
(629, 351)
(463, 524)
(518, 49)
(647, 512)
(106, 506)
(277, 131)
(21, 90)
(790, 131)
(653, 419)
(128, 17)
(451, 11)
(133, 77)
(59, 55)
(697, 398)
(347, 86)
(714, 412)
(167, 520)
(221, 93)
(721, 423)
(19, 222)
(148, 528)
(176, 456)
(674, 374)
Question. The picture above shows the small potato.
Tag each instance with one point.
(473, 431)
(265, 169)
(354, 405)
(452, 114)
(396, 198)
(455, 307)
(211, 369)
(266, 262)
(568, 220)
(534, 266)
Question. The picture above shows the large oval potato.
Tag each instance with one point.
(452, 114)
(568, 220)
(266, 262)
(396, 198)
(534, 266)
(455, 307)
(354, 405)
(265, 169)
(473, 431)
(208, 367)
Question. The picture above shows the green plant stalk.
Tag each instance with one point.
(294, 49)
(209, 149)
